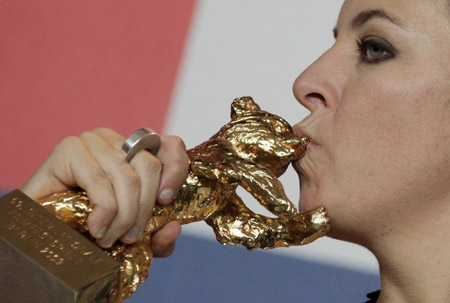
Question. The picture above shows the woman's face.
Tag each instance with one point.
(380, 117)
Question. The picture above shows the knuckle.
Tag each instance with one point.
(180, 167)
(147, 163)
(99, 178)
(133, 181)
(179, 158)
(69, 143)
(153, 165)
(130, 183)
(109, 208)
(87, 135)
(111, 136)
(177, 142)
(102, 130)
(118, 157)
(123, 223)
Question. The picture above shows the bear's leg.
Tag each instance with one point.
(265, 187)
(255, 178)
(238, 225)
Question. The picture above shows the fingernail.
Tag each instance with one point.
(132, 235)
(107, 243)
(166, 195)
(101, 233)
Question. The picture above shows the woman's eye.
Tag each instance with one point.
(374, 50)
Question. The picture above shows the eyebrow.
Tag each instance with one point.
(367, 15)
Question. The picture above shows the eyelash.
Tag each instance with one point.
(364, 43)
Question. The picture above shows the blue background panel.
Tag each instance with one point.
(205, 271)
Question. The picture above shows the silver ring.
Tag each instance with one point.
(143, 138)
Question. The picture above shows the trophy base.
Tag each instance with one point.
(44, 260)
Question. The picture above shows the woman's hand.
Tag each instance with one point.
(123, 194)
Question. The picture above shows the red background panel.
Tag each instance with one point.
(68, 66)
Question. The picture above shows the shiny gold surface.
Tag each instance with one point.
(251, 151)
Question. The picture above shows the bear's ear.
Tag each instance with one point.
(243, 105)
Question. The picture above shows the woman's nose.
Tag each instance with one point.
(319, 86)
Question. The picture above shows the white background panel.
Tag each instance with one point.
(255, 48)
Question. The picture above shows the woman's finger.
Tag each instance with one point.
(174, 164)
(163, 241)
(125, 181)
(123, 194)
(70, 165)
(175, 161)
(173, 156)
(149, 169)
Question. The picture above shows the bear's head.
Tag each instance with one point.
(262, 137)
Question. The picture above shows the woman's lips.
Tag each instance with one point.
(301, 133)
(311, 146)
(306, 158)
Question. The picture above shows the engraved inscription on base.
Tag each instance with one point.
(43, 258)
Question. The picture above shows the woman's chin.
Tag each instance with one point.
(306, 204)
(311, 199)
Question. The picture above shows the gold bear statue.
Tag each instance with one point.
(251, 151)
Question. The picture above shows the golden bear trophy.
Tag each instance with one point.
(251, 151)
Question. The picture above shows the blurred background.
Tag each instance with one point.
(72, 65)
